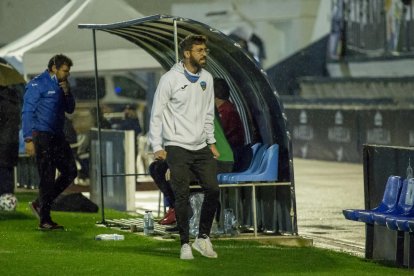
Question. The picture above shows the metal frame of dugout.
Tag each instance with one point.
(253, 94)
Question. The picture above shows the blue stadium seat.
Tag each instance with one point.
(267, 171)
(388, 203)
(258, 153)
(399, 223)
(404, 207)
(398, 220)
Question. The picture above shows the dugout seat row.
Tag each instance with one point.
(396, 212)
(263, 167)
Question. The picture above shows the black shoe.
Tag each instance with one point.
(50, 225)
(34, 206)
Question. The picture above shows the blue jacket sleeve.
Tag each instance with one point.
(30, 100)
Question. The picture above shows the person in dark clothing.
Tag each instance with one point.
(230, 120)
(131, 121)
(10, 102)
(46, 100)
(229, 117)
(158, 170)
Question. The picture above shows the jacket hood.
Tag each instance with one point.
(179, 67)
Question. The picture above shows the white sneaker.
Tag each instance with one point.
(186, 253)
(204, 246)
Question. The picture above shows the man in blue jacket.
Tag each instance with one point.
(46, 100)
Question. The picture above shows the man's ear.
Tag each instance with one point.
(54, 69)
(187, 54)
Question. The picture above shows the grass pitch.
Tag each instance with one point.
(24, 250)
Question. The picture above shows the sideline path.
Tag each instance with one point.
(323, 190)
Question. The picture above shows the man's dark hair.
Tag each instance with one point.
(221, 89)
(190, 40)
(59, 60)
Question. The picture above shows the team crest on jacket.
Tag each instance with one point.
(203, 85)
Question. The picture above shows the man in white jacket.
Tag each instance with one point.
(182, 125)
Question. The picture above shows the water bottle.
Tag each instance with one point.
(148, 223)
(196, 201)
(228, 221)
(409, 196)
(109, 237)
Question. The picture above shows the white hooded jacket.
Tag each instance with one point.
(182, 112)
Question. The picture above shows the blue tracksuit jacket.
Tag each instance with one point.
(45, 105)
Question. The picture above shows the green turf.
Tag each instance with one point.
(26, 251)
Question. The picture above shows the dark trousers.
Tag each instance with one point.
(6, 180)
(182, 164)
(52, 152)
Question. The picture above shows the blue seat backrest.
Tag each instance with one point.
(406, 200)
(257, 159)
(271, 171)
(392, 192)
(255, 148)
(266, 172)
(270, 158)
(243, 156)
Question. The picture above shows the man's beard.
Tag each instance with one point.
(197, 64)
(60, 79)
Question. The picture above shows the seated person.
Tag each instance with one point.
(130, 121)
(230, 120)
(158, 170)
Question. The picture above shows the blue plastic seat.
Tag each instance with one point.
(405, 210)
(258, 152)
(399, 223)
(369, 217)
(267, 171)
(388, 203)
(404, 207)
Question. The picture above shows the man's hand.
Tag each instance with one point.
(65, 87)
(30, 149)
(214, 151)
(160, 155)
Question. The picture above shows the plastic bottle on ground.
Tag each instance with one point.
(109, 237)
(148, 223)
